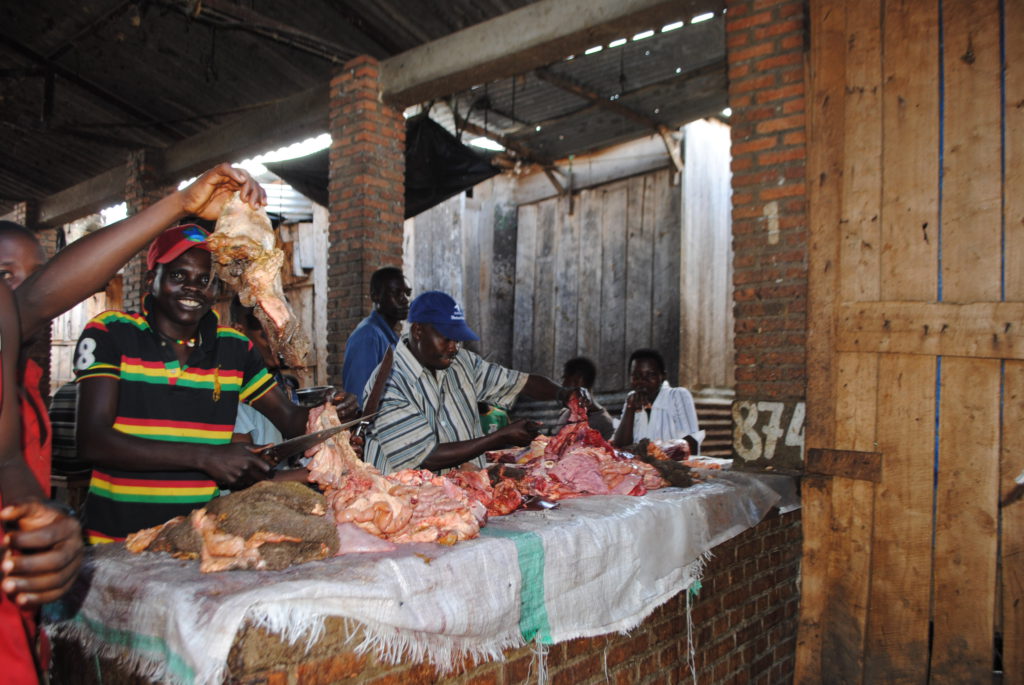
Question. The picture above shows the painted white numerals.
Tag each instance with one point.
(759, 425)
(795, 434)
(745, 439)
(84, 357)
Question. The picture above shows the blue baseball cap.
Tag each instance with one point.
(442, 312)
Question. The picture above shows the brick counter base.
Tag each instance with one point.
(744, 624)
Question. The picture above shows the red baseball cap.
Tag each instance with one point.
(174, 242)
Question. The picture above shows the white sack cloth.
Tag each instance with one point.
(594, 565)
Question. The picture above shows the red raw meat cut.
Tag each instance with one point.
(578, 461)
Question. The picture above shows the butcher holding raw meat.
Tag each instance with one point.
(428, 416)
(159, 390)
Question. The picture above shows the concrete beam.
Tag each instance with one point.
(282, 123)
(87, 197)
(530, 37)
(286, 121)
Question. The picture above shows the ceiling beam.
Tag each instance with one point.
(529, 37)
(85, 198)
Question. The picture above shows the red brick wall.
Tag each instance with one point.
(766, 47)
(367, 198)
(141, 190)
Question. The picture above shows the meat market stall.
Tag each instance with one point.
(592, 566)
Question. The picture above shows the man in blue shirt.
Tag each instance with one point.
(373, 336)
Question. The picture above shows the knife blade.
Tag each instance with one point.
(282, 450)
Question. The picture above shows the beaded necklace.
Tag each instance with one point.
(188, 342)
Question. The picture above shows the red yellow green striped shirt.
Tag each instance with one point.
(159, 399)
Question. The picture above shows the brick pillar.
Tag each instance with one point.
(766, 42)
(142, 189)
(367, 196)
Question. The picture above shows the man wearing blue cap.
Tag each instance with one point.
(428, 414)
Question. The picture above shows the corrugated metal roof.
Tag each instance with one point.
(130, 75)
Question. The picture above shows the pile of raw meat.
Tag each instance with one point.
(267, 526)
(411, 505)
(246, 257)
(274, 525)
(578, 462)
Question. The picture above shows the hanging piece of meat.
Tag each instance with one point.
(246, 257)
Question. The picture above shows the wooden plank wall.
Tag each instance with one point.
(596, 273)
(706, 293)
(916, 145)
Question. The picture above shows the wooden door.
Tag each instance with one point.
(911, 571)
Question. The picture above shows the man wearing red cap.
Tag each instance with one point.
(428, 415)
(159, 395)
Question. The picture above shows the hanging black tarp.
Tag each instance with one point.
(437, 166)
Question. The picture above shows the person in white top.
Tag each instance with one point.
(654, 409)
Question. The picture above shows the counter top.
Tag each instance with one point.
(592, 566)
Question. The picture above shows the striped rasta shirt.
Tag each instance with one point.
(420, 410)
(158, 399)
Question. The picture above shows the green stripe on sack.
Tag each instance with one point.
(149, 644)
(533, 612)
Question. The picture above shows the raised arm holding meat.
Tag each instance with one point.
(159, 391)
(85, 266)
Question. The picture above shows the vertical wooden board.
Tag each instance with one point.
(321, 221)
(816, 517)
(665, 286)
(856, 392)
(965, 520)
(910, 166)
(588, 329)
(612, 359)
(450, 278)
(567, 284)
(639, 261)
(544, 289)
(897, 631)
(1012, 530)
(851, 527)
(861, 203)
(716, 315)
(1013, 149)
(849, 580)
(469, 226)
(690, 273)
(972, 178)
(483, 195)
(503, 276)
(426, 243)
(522, 330)
(826, 94)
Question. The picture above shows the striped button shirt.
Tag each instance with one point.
(420, 409)
(158, 399)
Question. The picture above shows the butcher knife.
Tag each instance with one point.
(282, 450)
